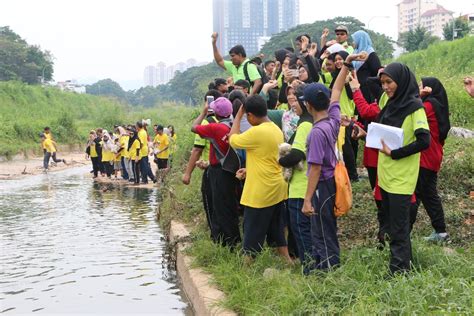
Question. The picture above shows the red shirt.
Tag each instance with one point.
(369, 113)
(432, 156)
(218, 132)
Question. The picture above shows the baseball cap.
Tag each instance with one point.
(342, 28)
(222, 107)
(315, 93)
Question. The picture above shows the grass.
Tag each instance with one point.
(25, 110)
(441, 282)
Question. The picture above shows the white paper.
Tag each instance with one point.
(392, 136)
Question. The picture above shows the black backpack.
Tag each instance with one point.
(263, 76)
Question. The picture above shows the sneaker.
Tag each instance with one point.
(437, 237)
(64, 161)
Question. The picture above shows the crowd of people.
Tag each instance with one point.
(126, 152)
(319, 99)
(123, 154)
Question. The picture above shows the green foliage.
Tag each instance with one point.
(382, 44)
(450, 62)
(23, 62)
(416, 39)
(107, 87)
(461, 29)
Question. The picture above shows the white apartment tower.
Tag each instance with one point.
(426, 13)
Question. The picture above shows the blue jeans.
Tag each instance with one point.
(124, 169)
(301, 228)
(145, 170)
(324, 226)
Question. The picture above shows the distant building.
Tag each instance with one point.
(162, 74)
(150, 76)
(246, 22)
(425, 13)
(71, 86)
(470, 21)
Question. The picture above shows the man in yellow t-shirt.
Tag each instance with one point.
(49, 151)
(161, 143)
(265, 190)
(145, 169)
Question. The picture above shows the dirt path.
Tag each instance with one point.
(22, 168)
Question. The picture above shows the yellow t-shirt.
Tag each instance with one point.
(173, 144)
(49, 146)
(132, 152)
(93, 150)
(299, 180)
(124, 144)
(143, 136)
(264, 185)
(163, 141)
(400, 176)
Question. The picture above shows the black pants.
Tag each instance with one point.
(136, 171)
(109, 167)
(206, 193)
(397, 211)
(47, 156)
(95, 165)
(427, 193)
(225, 221)
(349, 155)
(383, 225)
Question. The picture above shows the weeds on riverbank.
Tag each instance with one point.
(440, 282)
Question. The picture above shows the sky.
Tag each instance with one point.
(117, 39)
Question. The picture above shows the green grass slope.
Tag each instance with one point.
(450, 62)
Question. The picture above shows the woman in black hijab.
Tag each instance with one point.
(436, 106)
(398, 169)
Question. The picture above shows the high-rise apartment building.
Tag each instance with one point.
(161, 74)
(250, 22)
(426, 13)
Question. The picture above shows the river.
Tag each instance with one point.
(69, 245)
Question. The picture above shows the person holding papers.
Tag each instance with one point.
(398, 169)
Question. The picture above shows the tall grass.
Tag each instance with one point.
(450, 62)
(25, 110)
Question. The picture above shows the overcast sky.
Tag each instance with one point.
(98, 39)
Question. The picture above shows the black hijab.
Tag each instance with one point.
(131, 139)
(439, 99)
(335, 73)
(406, 99)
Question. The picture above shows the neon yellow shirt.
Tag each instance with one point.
(400, 176)
(299, 180)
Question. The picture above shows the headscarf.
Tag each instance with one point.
(363, 44)
(132, 139)
(406, 99)
(335, 73)
(439, 99)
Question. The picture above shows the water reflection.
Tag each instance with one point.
(70, 245)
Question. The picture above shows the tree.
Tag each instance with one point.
(416, 39)
(461, 29)
(23, 62)
(382, 44)
(107, 87)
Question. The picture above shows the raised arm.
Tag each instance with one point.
(217, 55)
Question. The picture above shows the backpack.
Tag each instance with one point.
(263, 76)
(343, 200)
(229, 161)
